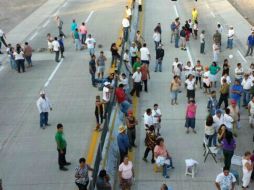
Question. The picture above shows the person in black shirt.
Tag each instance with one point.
(92, 69)
(159, 58)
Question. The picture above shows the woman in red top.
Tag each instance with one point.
(190, 116)
(145, 75)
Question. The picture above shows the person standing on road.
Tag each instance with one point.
(225, 180)
(159, 58)
(247, 169)
(183, 38)
(198, 68)
(235, 114)
(74, 26)
(91, 43)
(83, 32)
(61, 147)
(28, 54)
(216, 52)
(56, 49)
(246, 83)
(212, 104)
(126, 26)
(148, 119)
(250, 44)
(2, 40)
(123, 142)
(61, 43)
(173, 31)
(106, 95)
(194, 14)
(190, 85)
(19, 58)
(98, 112)
(115, 55)
(145, 54)
(133, 53)
(137, 77)
(10, 52)
(202, 42)
(217, 38)
(100, 62)
(156, 39)
(228, 146)
(81, 174)
(60, 26)
(214, 70)
(150, 142)
(231, 34)
(156, 113)
(126, 174)
(103, 181)
(44, 106)
(145, 75)
(224, 93)
(76, 39)
(236, 92)
(190, 116)
(158, 29)
(174, 89)
(92, 70)
(251, 112)
(131, 123)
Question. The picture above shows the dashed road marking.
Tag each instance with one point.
(53, 73)
(89, 16)
(241, 55)
(189, 56)
(46, 23)
(64, 5)
(176, 11)
(33, 36)
(212, 13)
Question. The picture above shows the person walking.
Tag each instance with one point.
(61, 43)
(183, 38)
(216, 52)
(2, 40)
(251, 112)
(133, 53)
(56, 49)
(246, 83)
(83, 32)
(150, 142)
(250, 44)
(212, 104)
(123, 142)
(131, 123)
(92, 70)
(44, 106)
(76, 37)
(194, 14)
(19, 58)
(159, 58)
(145, 75)
(115, 55)
(126, 174)
(81, 174)
(28, 54)
(103, 181)
(210, 131)
(61, 147)
(190, 116)
(156, 113)
(156, 39)
(173, 31)
(224, 93)
(190, 86)
(126, 26)
(195, 29)
(10, 52)
(74, 26)
(228, 146)
(236, 92)
(174, 89)
(198, 68)
(202, 42)
(217, 38)
(60, 26)
(145, 54)
(100, 62)
(137, 77)
(247, 169)
(90, 43)
(231, 33)
(98, 112)
(225, 180)
(214, 70)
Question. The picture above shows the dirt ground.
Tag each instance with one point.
(14, 11)
(246, 8)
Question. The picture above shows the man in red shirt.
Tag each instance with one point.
(121, 98)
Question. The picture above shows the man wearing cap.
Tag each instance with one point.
(123, 142)
(136, 82)
(44, 106)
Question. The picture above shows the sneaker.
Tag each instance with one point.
(63, 168)
(153, 161)
(67, 164)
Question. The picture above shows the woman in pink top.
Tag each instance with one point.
(126, 174)
(190, 116)
(160, 150)
(83, 32)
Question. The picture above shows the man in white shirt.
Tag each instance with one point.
(231, 34)
(190, 85)
(156, 113)
(225, 180)
(2, 39)
(228, 120)
(156, 39)
(44, 106)
(136, 82)
(148, 119)
(218, 119)
(128, 12)
(90, 43)
(175, 66)
(239, 72)
(251, 112)
(246, 83)
(56, 49)
(106, 95)
(145, 54)
(126, 26)
(133, 53)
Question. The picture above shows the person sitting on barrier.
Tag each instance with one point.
(102, 182)
(121, 98)
(163, 157)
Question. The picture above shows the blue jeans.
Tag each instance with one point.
(77, 44)
(158, 65)
(246, 97)
(124, 106)
(43, 119)
(93, 79)
(29, 60)
(176, 42)
(125, 33)
(91, 51)
(230, 43)
(13, 64)
(165, 167)
(174, 95)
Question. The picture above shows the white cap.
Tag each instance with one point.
(42, 92)
(106, 83)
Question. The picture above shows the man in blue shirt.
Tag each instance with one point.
(236, 92)
(123, 142)
(250, 43)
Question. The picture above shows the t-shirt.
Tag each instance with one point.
(76, 35)
(73, 26)
(133, 51)
(228, 121)
(90, 43)
(148, 120)
(56, 45)
(156, 114)
(137, 76)
(82, 29)
(214, 69)
(101, 60)
(136, 65)
(19, 56)
(120, 95)
(190, 84)
(144, 54)
(225, 181)
(125, 23)
(126, 170)
(105, 94)
(239, 73)
(238, 88)
(160, 150)
(246, 83)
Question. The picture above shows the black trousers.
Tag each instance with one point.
(57, 56)
(61, 158)
(223, 98)
(145, 85)
(133, 59)
(198, 79)
(99, 117)
(3, 40)
(147, 152)
(132, 135)
(136, 88)
(20, 64)
(227, 157)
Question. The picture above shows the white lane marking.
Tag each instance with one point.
(89, 16)
(190, 57)
(64, 5)
(33, 36)
(46, 23)
(53, 73)
(56, 13)
(241, 55)
(176, 11)
(212, 14)
(1, 68)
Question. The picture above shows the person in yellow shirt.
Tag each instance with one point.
(194, 14)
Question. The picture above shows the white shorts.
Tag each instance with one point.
(100, 69)
(213, 78)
